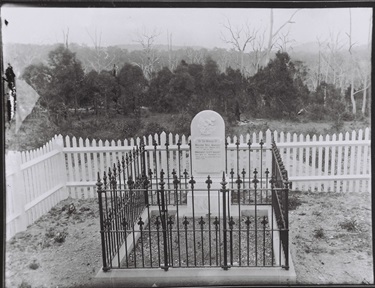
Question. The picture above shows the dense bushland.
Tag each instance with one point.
(276, 91)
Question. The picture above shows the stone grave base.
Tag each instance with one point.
(195, 277)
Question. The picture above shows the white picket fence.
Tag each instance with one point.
(37, 180)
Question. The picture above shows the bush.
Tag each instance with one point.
(347, 116)
(152, 128)
(130, 128)
(317, 112)
(182, 124)
(312, 131)
(337, 125)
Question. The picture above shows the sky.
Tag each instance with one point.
(187, 26)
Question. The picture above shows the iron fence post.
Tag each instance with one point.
(286, 228)
(163, 217)
(224, 190)
(99, 191)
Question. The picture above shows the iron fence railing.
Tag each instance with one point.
(122, 196)
(280, 188)
(151, 220)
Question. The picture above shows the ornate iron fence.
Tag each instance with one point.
(157, 220)
(122, 197)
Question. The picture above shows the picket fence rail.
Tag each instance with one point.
(66, 166)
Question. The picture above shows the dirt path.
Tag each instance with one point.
(330, 238)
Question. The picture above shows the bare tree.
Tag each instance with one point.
(258, 51)
(195, 56)
(223, 62)
(367, 73)
(272, 35)
(239, 38)
(150, 58)
(172, 59)
(283, 42)
(354, 108)
(102, 59)
(359, 67)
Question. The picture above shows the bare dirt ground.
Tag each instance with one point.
(330, 239)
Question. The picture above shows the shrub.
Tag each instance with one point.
(182, 124)
(152, 128)
(131, 127)
(337, 125)
(347, 116)
(317, 112)
(312, 131)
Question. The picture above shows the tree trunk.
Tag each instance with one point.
(364, 97)
(352, 95)
(242, 69)
(270, 39)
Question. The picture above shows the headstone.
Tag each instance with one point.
(208, 159)
(208, 144)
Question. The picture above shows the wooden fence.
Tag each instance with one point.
(37, 180)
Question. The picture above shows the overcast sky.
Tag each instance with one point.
(188, 26)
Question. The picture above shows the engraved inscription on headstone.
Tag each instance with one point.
(207, 155)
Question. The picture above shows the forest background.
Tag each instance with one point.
(123, 91)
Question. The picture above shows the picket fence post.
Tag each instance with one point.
(19, 193)
(63, 170)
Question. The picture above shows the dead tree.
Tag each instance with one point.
(239, 38)
(272, 35)
(102, 61)
(150, 57)
(258, 51)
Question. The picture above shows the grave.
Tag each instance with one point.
(195, 241)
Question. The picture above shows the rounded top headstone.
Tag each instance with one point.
(207, 123)
(208, 143)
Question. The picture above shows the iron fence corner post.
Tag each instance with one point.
(99, 185)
